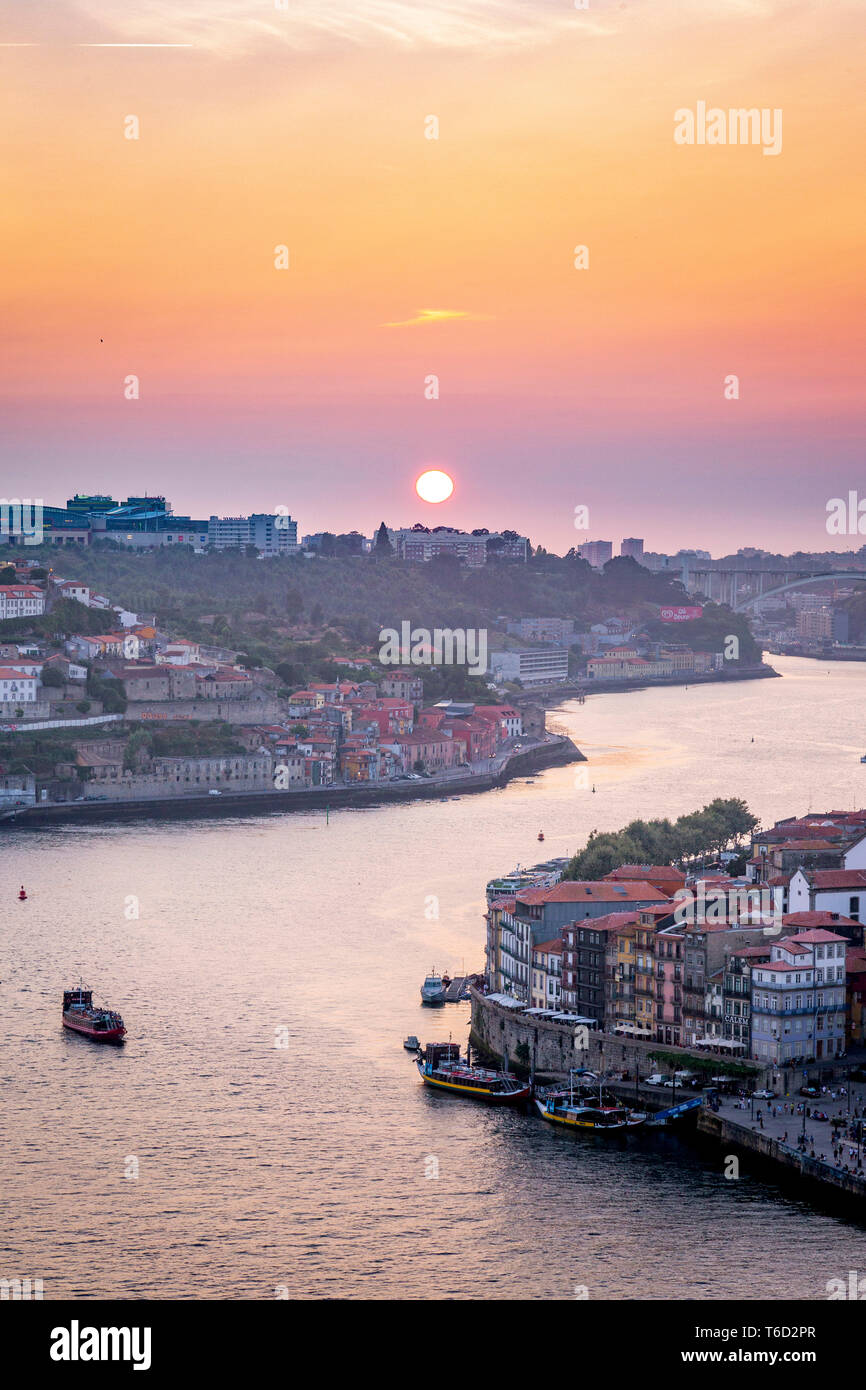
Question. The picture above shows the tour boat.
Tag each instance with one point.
(560, 1109)
(442, 1068)
(433, 989)
(82, 1016)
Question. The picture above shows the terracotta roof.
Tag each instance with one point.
(816, 935)
(822, 918)
(836, 878)
(643, 872)
(602, 890)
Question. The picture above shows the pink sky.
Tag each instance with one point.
(558, 387)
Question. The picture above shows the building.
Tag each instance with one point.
(418, 544)
(828, 890)
(16, 688)
(403, 685)
(536, 666)
(798, 999)
(559, 630)
(596, 553)
(632, 547)
(507, 720)
(21, 601)
(815, 626)
(584, 963)
(271, 535)
(546, 989)
(665, 877)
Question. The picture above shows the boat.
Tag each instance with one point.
(411, 1043)
(83, 1016)
(560, 1109)
(442, 1068)
(433, 989)
(863, 759)
(583, 1104)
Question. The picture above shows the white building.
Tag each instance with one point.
(829, 890)
(71, 588)
(798, 999)
(16, 688)
(539, 666)
(271, 535)
(21, 601)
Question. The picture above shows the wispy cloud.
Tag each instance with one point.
(236, 26)
(424, 316)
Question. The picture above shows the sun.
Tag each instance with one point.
(434, 486)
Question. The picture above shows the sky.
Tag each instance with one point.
(411, 258)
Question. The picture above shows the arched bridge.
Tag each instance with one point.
(845, 576)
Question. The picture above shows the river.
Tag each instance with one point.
(263, 1130)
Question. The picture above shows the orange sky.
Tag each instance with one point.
(306, 128)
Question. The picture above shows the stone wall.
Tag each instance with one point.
(728, 1133)
(557, 1047)
(264, 711)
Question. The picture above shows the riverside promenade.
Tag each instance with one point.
(551, 750)
(781, 1132)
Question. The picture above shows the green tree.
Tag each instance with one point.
(382, 549)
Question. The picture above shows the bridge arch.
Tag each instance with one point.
(848, 576)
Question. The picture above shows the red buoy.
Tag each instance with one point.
(22, 895)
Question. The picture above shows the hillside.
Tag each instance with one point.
(297, 612)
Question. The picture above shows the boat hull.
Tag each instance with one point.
(96, 1035)
(463, 1088)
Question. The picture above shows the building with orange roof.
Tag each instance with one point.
(546, 986)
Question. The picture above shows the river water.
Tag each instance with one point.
(268, 968)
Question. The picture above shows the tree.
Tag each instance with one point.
(138, 743)
(83, 706)
(7, 574)
(52, 676)
(382, 548)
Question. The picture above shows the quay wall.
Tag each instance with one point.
(232, 803)
(729, 1133)
(554, 1048)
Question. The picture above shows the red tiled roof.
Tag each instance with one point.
(822, 918)
(816, 935)
(646, 872)
(836, 878)
(602, 890)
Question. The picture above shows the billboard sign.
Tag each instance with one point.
(680, 615)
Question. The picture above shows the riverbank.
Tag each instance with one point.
(556, 751)
(550, 696)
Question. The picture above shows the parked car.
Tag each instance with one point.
(819, 1115)
(655, 1080)
(214, 791)
(763, 1095)
(811, 1092)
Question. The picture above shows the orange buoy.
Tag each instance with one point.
(22, 895)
